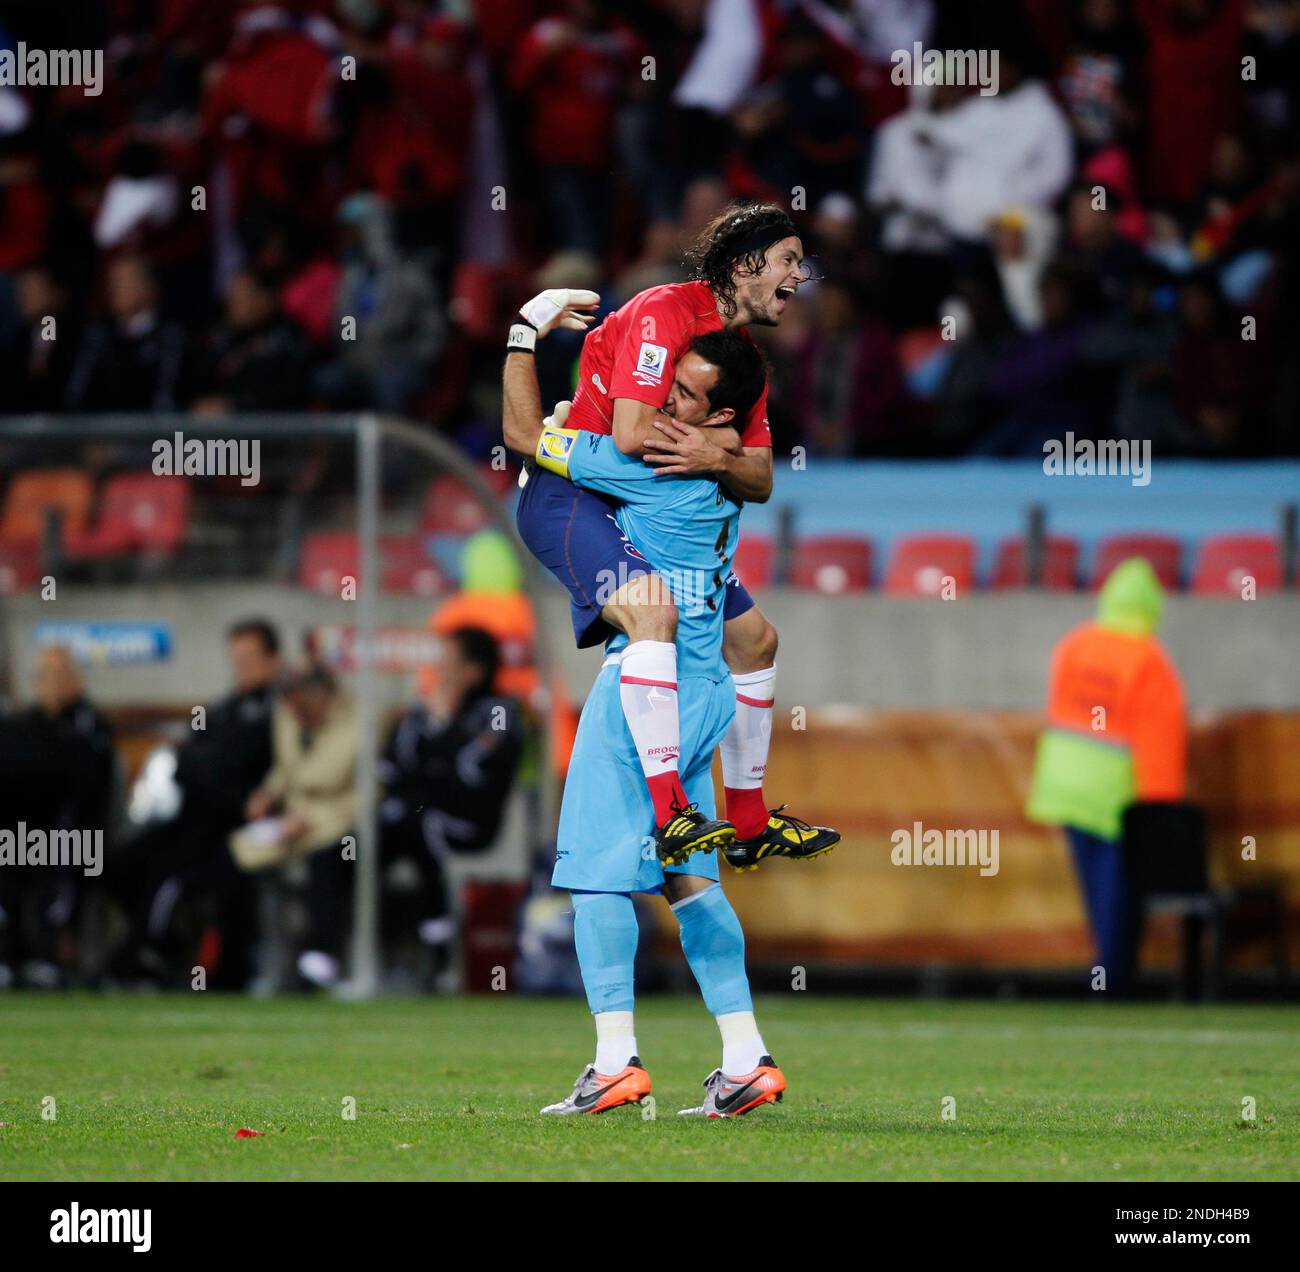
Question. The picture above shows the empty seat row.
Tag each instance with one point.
(140, 512)
(920, 564)
(329, 558)
(135, 512)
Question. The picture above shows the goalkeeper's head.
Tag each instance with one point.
(751, 258)
(718, 380)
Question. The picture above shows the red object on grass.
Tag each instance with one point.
(245, 1133)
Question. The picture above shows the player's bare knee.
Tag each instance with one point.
(644, 608)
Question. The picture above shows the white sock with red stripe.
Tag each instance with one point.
(648, 689)
(744, 751)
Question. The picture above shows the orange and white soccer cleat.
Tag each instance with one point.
(728, 1096)
(599, 1092)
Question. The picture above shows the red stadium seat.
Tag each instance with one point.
(408, 568)
(753, 561)
(450, 507)
(327, 556)
(921, 563)
(501, 480)
(1060, 564)
(19, 569)
(33, 495)
(1224, 560)
(832, 564)
(473, 299)
(137, 512)
(1162, 552)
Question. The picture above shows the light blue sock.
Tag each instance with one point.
(605, 932)
(714, 946)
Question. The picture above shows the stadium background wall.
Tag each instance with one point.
(877, 755)
(871, 651)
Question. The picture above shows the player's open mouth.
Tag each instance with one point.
(784, 293)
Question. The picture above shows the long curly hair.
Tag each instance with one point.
(719, 254)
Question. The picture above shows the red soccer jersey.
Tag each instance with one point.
(633, 353)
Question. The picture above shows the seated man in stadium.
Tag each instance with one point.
(447, 772)
(59, 756)
(306, 807)
(219, 766)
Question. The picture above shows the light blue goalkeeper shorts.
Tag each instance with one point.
(607, 821)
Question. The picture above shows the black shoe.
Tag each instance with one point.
(783, 836)
(688, 831)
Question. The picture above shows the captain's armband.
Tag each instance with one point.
(554, 448)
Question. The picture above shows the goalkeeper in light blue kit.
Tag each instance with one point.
(685, 530)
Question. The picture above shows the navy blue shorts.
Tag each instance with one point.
(574, 534)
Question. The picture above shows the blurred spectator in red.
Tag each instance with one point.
(267, 110)
(25, 203)
(575, 69)
(420, 170)
(257, 359)
(1194, 88)
(134, 360)
(498, 23)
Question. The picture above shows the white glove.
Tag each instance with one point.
(557, 307)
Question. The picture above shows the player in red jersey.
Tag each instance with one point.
(746, 264)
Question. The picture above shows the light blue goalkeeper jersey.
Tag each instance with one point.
(685, 527)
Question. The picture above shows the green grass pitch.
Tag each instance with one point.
(449, 1088)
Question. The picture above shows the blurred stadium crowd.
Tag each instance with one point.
(200, 229)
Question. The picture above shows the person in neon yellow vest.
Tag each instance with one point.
(1116, 734)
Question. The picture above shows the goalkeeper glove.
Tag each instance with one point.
(557, 307)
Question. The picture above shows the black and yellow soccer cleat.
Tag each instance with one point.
(783, 836)
(689, 831)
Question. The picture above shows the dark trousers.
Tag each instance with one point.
(405, 838)
(1113, 908)
(329, 888)
(175, 862)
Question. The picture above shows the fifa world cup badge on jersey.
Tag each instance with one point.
(650, 363)
(554, 448)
